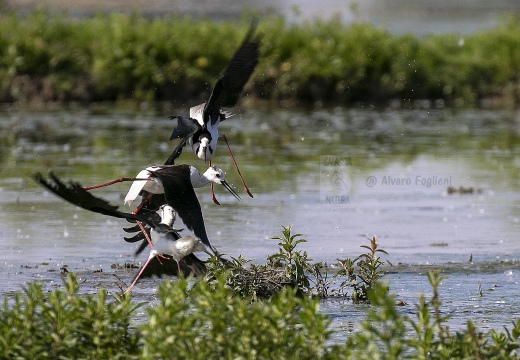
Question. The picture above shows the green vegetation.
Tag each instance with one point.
(286, 269)
(208, 320)
(291, 268)
(211, 322)
(46, 57)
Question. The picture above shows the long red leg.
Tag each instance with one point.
(179, 268)
(113, 182)
(140, 224)
(213, 197)
(145, 233)
(138, 275)
(236, 166)
(143, 202)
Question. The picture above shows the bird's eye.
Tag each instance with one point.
(217, 175)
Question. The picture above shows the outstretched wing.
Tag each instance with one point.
(184, 127)
(74, 193)
(228, 87)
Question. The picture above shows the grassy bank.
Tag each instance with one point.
(114, 57)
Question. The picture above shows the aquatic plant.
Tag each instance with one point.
(211, 322)
(361, 274)
(291, 268)
(65, 324)
(285, 269)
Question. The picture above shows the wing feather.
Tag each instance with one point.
(180, 195)
(230, 84)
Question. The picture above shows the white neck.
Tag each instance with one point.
(197, 180)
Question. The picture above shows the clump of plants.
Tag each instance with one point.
(292, 268)
(387, 333)
(209, 321)
(362, 273)
(64, 324)
(285, 269)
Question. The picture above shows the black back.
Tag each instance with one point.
(180, 195)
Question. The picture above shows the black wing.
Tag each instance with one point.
(148, 207)
(228, 87)
(185, 129)
(180, 195)
(74, 193)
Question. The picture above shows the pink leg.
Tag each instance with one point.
(140, 224)
(138, 275)
(145, 234)
(236, 166)
(213, 197)
(143, 202)
(113, 182)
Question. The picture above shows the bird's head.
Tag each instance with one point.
(217, 175)
(204, 151)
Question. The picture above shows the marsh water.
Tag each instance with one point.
(339, 176)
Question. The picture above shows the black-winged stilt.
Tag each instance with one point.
(155, 180)
(166, 239)
(189, 265)
(201, 128)
(152, 190)
(169, 243)
(177, 183)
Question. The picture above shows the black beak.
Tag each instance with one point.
(230, 189)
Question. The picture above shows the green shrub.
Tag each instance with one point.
(62, 324)
(211, 322)
(120, 56)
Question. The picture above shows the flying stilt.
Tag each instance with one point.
(149, 184)
(177, 183)
(200, 129)
(166, 239)
(155, 179)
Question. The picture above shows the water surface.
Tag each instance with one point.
(338, 176)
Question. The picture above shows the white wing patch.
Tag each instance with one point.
(138, 185)
(196, 113)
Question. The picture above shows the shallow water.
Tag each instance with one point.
(338, 176)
